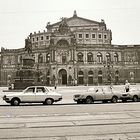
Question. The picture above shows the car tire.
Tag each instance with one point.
(135, 98)
(114, 99)
(15, 102)
(79, 102)
(89, 100)
(49, 101)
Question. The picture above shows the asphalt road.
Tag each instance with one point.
(68, 121)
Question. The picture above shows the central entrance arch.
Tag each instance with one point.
(62, 77)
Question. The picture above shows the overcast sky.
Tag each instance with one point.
(19, 18)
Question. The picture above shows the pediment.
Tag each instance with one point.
(78, 21)
(81, 22)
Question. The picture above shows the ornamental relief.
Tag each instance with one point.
(62, 52)
(131, 57)
(62, 43)
(9, 60)
(62, 56)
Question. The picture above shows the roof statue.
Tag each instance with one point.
(48, 25)
(63, 27)
(74, 14)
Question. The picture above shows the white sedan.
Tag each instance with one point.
(32, 94)
(104, 94)
(133, 94)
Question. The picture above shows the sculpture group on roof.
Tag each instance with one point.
(63, 26)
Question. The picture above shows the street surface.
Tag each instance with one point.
(67, 120)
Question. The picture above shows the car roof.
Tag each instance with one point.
(36, 86)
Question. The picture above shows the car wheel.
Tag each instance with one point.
(89, 100)
(15, 102)
(135, 98)
(49, 101)
(79, 102)
(114, 99)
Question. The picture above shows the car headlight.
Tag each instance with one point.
(4, 97)
(78, 96)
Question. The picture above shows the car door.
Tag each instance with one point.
(99, 94)
(29, 95)
(108, 93)
(41, 94)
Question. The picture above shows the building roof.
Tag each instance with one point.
(79, 21)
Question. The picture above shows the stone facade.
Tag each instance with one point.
(76, 51)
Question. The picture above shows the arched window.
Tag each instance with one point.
(89, 57)
(40, 58)
(63, 43)
(108, 57)
(80, 73)
(64, 59)
(116, 77)
(100, 80)
(80, 78)
(48, 58)
(99, 72)
(90, 72)
(99, 57)
(116, 57)
(80, 57)
(90, 77)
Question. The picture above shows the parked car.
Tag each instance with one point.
(32, 94)
(133, 94)
(104, 94)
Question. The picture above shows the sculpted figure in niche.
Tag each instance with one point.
(73, 40)
(51, 41)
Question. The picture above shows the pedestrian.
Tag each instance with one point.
(12, 86)
(111, 87)
(127, 86)
(55, 85)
